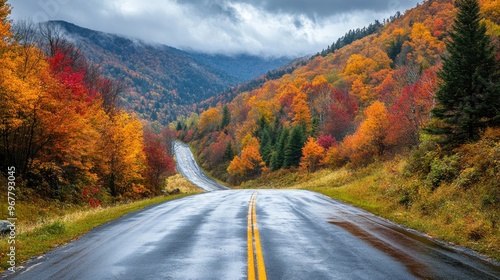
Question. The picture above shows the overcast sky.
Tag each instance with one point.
(264, 27)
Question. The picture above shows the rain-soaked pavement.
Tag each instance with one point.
(187, 166)
(303, 235)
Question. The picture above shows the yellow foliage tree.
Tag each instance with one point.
(491, 9)
(425, 47)
(360, 70)
(5, 34)
(319, 81)
(123, 153)
(361, 91)
(358, 65)
(209, 120)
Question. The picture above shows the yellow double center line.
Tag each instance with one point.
(253, 235)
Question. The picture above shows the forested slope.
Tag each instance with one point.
(390, 98)
(367, 100)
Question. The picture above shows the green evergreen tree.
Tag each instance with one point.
(315, 126)
(266, 146)
(469, 95)
(293, 148)
(229, 152)
(179, 126)
(278, 156)
(226, 117)
(265, 139)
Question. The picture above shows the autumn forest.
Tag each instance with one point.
(61, 126)
(367, 101)
(415, 98)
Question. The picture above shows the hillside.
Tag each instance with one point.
(164, 81)
(374, 100)
(387, 77)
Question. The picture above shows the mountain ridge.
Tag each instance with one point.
(163, 81)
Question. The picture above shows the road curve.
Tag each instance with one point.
(187, 166)
(234, 234)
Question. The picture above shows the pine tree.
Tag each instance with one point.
(226, 117)
(229, 152)
(293, 148)
(278, 156)
(179, 126)
(265, 146)
(469, 95)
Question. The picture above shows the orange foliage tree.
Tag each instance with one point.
(301, 112)
(5, 33)
(312, 155)
(59, 123)
(368, 141)
(250, 164)
(122, 149)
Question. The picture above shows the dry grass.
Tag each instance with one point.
(77, 215)
(179, 182)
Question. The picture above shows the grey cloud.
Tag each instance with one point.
(326, 8)
(315, 9)
(42, 10)
(211, 9)
(270, 27)
(220, 9)
(298, 23)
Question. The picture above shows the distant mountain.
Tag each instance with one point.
(243, 66)
(164, 81)
(277, 73)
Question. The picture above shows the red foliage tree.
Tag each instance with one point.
(411, 111)
(326, 141)
(340, 117)
(159, 163)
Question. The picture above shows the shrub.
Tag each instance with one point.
(421, 159)
(468, 177)
(55, 228)
(443, 170)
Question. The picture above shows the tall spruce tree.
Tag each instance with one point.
(278, 156)
(266, 147)
(469, 94)
(293, 148)
(229, 152)
(226, 117)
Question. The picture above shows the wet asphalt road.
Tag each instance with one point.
(303, 235)
(187, 166)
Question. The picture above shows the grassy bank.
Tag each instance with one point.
(44, 225)
(457, 215)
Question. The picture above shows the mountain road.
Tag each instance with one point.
(254, 234)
